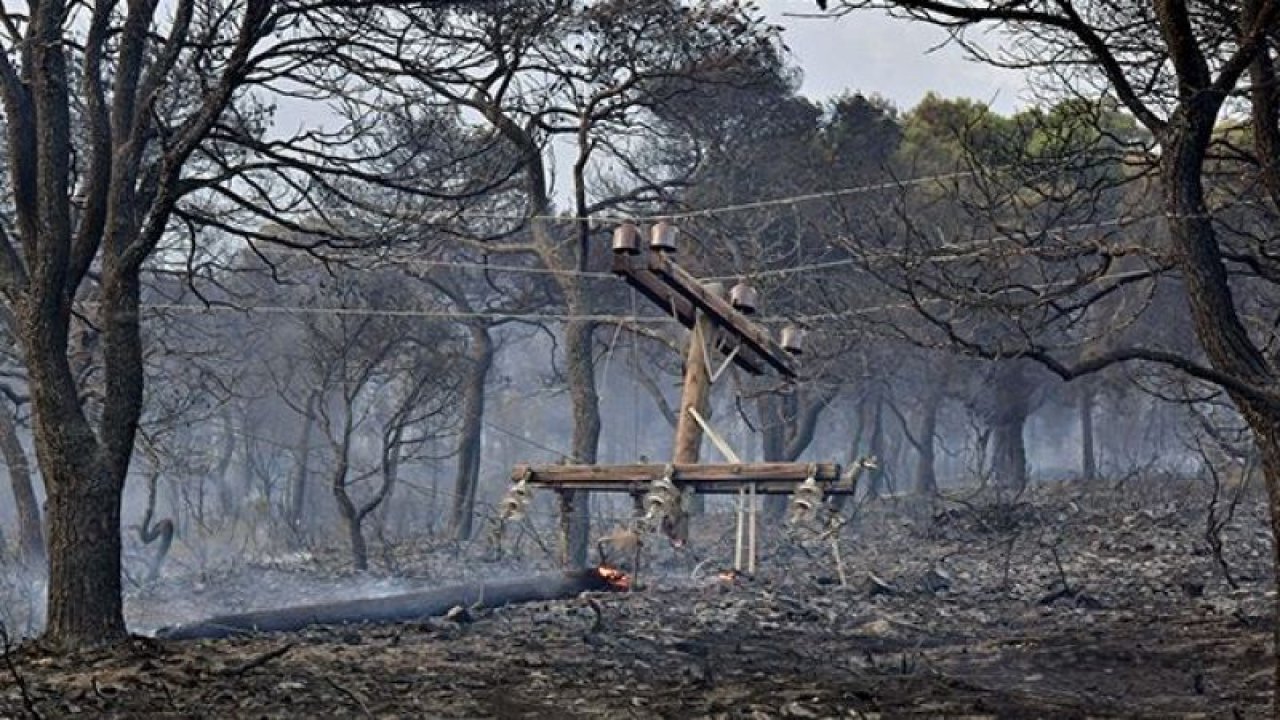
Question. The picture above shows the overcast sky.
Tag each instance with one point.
(869, 52)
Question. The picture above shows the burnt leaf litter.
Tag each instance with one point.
(1068, 601)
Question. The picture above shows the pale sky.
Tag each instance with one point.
(869, 52)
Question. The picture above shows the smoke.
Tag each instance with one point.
(22, 599)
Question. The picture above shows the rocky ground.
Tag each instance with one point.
(1068, 602)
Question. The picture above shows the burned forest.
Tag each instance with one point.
(580, 358)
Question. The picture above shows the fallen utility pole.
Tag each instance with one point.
(719, 478)
(396, 608)
(718, 325)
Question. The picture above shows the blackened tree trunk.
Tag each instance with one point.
(30, 526)
(876, 476)
(338, 478)
(1218, 327)
(586, 428)
(789, 426)
(480, 361)
(301, 471)
(1010, 404)
(924, 441)
(1088, 454)
(150, 531)
(773, 440)
(347, 509)
(84, 472)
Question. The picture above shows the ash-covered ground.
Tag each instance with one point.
(1070, 601)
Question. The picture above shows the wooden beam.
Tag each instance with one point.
(753, 335)
(770, 478)
(637, 274)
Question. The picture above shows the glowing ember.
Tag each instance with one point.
(615, 577)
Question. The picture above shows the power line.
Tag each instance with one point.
(949, 253)
(443, 215)
(808, 197)
(378, 261)
(944, 253)
(201, 309)
(870, 309)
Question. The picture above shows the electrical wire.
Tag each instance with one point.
(441, 216)
(200, 309)
(943, 254)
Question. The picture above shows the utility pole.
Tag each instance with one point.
(715, 323)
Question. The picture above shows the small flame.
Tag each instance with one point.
(616, 578)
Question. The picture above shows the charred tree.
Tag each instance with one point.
(1005, 406)
(150, 531)
(299, 480)
(480, 355)
(30, 527)
(788, 425)
(1088, 453)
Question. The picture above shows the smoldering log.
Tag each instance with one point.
(395, 608)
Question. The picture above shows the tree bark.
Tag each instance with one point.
(788, 430)
(467, 478)
(773, 445)
(1088, 456)
(84, 487)
(346, 507)
(149, 532)
(298, 483)
(876, 475)
(30, 526)
(1218, 327)
(1007, 418)
(926, 466)
(586, 428)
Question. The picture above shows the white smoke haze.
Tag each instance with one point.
(240, 559)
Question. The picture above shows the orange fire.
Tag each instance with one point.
(618, 579)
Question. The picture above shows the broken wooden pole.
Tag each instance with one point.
(769, 477)
(694, 401)
(723, 314)
(637, 274)
(396, 608)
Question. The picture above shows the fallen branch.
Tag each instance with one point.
(354, 698)
(258, 661)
